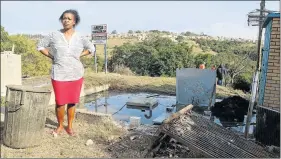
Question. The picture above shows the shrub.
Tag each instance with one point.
(243, 82)
(123, 70)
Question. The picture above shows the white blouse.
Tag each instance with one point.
(66, 63)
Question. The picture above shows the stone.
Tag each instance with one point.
(55, 135)
(89, 142)
(133, 137)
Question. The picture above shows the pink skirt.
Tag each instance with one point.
(67, 92)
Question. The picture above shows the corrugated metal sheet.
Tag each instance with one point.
(212, 140)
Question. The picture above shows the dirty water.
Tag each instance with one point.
(235, 126)
(115, 103)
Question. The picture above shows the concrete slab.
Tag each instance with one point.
(142, 102)
(159, 120)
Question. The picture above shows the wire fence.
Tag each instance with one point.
(268, 126)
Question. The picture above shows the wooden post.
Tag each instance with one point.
(251, 104)
(185, 110)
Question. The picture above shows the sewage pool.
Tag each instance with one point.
(114, 103)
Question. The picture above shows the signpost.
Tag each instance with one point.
(99, 37)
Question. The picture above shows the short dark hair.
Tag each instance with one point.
(75, 13)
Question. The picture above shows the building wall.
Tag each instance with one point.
(10, 71)
(272, 88)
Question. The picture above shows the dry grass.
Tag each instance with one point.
(111, 43)
(102, 133)
(198, 50)
(165, 85)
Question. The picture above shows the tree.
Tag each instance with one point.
(138, 31)
(188, 33)
(114, 32)
(155, 56)
(4, 35)
(155, 31)
(22, 44)
(180, 38)
(235, 64)
(6, 44)
(130, 32)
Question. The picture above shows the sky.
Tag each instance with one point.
(215, 18)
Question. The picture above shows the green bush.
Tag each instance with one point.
(2, 101)
(243, 82)
(123, 70)
(35, 64)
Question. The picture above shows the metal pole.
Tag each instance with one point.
(105, 58)
(255, 77)
(96, 65)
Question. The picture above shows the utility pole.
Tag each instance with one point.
(255, 76)
(261, 19)
(96, 65)
(105, 58)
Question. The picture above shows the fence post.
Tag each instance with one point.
(251, 103)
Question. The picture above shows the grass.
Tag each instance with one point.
(165, 85)
(111, 43)
(102, 133)
(2, 101)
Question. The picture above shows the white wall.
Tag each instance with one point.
(10, 70)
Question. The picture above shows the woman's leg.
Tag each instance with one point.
(70, 117)
(60, 109)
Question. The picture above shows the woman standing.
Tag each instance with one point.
(66, 46)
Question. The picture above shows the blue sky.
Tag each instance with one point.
(215, 18)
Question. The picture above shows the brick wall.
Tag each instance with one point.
(272, 88)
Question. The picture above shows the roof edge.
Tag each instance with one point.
(269, 17)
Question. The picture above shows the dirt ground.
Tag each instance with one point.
(101, 130)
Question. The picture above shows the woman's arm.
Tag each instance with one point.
(46, 53)
(43, 44)
(85, 52)
(89, 48)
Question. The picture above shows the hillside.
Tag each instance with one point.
(152, 53)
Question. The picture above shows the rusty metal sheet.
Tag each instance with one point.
(211, 139)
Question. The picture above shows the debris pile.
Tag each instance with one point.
(135, 144)
(171, 148)
(231, 109)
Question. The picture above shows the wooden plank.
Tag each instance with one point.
(185, 110)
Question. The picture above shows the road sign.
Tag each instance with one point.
(99, 33)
